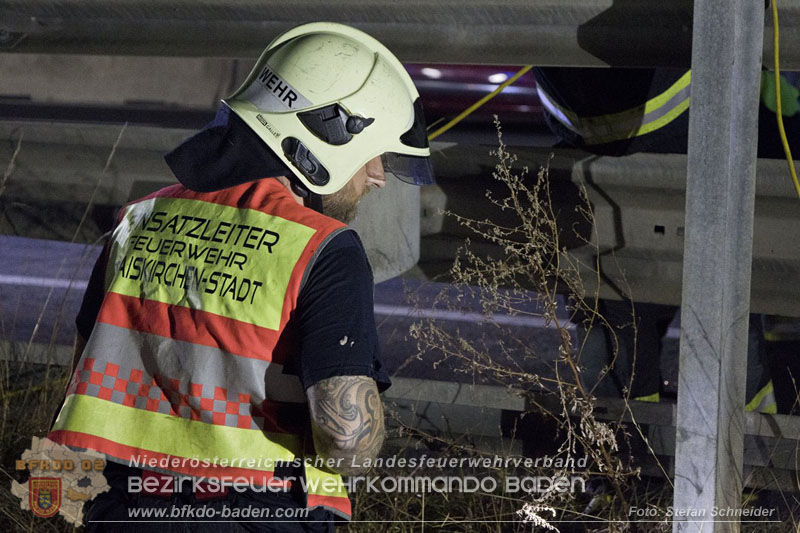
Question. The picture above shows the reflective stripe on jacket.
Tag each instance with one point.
(656, 113)
(182, 370)
(779, 328)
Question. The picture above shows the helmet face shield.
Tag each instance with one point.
(411, 169)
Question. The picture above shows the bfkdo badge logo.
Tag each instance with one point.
(60, 480)
(45, 495)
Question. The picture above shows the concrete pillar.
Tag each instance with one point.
(388, 223)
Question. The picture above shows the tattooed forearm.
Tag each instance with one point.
(346, 421)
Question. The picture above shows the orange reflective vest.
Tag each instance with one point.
(183, 371)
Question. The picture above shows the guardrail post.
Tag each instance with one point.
(726, 61)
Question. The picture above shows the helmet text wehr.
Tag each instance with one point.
(280, 88)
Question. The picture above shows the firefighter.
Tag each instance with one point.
(227, 363)
(621, 111)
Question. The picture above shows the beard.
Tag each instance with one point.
(342, 205)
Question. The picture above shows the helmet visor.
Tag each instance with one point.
(409, 168)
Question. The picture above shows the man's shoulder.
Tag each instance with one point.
(345, 239)
(339, 263)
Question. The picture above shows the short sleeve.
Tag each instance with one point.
(334, 318)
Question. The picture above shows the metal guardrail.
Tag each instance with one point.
(644, 33)
(475, 413)
(638, 202)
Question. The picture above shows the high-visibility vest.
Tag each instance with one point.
(183, 372)
(642, 119)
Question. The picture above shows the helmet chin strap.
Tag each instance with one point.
(313, 200)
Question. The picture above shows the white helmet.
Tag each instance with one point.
(326, 98)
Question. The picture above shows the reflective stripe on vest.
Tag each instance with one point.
(654, 114)
(181, 367)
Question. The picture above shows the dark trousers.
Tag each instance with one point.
(784, 364)
(623, 357)
(630, 355)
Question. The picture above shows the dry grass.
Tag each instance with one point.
(535, 278)
(29, 397)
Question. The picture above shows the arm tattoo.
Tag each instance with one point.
(347, 419)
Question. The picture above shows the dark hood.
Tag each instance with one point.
(225, 153)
